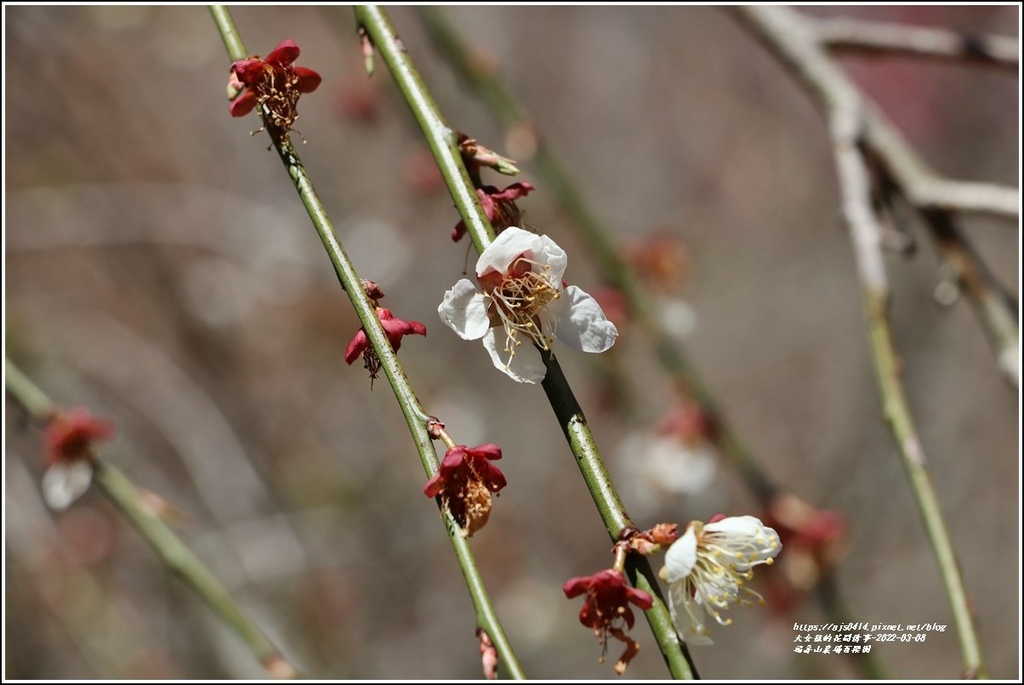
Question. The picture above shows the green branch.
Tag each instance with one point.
(512, 115)
(413, 412)
(442, 141)
(168, 546)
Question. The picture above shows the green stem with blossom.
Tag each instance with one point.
(415, 416)
(505, 107)
(443, 142)
(487, 83)
(119, 489)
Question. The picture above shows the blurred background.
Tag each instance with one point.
(160, 269)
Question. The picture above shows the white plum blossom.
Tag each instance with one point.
(707, 568)
(524, 299)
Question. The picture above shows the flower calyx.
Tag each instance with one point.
(475, 155)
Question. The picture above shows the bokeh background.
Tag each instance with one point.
(160, 270)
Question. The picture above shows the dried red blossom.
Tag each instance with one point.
(372, 290)
(499, 206)
(274, 85)
(70, 435)
(466, 482)
(393, 327)
(606, 607)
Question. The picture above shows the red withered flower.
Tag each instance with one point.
(499, 206)
(274, 85)
(71, 433)
(466, 482)
(394, 328)
(606, 608)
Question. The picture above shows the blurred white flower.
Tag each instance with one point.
(64, 482)
(524, 297)
(677, 467)
(707, 569)
(678, 317)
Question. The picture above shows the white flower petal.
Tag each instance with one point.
(748, 526)
(509, 245)
(680, 558)
(582, 324)
(525, 366)
(746, 534)
(465, 310)
(554, 256)
(64, 482)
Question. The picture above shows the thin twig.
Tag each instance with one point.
(443, 143)
(512, 115)
(168, 546)
(412, 410)
(939, 201)
(792, 40)
(932, 196)
(993, 305)
(488, 83)
(924, 188)
(854, 36)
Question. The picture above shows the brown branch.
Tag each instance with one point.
(794, 42)
(853, 36)
(925, 189)
(938, 200)
(994, 306)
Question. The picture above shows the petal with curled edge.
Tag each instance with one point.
(510, 244)
(525, 366)
(681, 557)
(248, 70)
(464, 310)
(582, 324)
(284, 54)
(243, 104)
(750, 534)
(309, 80)
(554, 256)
